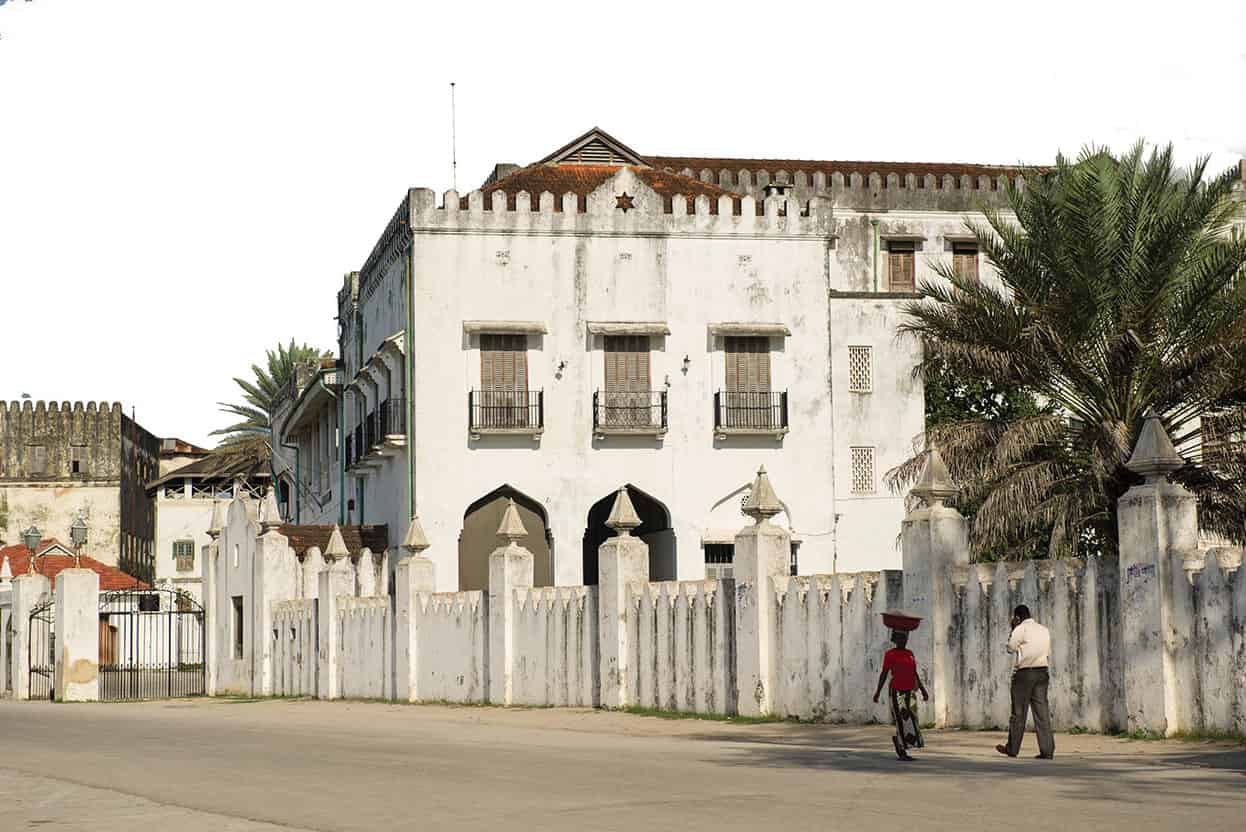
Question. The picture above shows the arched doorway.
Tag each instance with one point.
(655, 530)
(479, 538)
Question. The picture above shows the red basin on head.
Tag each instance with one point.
(900, 621)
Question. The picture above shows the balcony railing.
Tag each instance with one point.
(745, 412)
(506, 410)
(392, 418)
(360, 448)
(637, 411)
(369, 432)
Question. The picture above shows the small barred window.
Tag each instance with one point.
(862, 470)
(860, 369)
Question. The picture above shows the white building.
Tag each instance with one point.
(602, 317)
(190, 484)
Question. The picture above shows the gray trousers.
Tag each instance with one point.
(1029, 690)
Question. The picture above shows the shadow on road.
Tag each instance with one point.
(1114, 774)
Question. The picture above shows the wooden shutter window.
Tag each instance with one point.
(965, 261)
(748, 364)
(503, 362)
(503, 380)
(627, 397)
(900, 266)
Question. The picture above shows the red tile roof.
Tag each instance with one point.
(828, 167)
(51, 564)
(582, 180)
(303, 537)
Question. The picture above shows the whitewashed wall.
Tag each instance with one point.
(681, 635)
(295, 647)
(451, 642)
(816, 646)
(831, 641)
(555, 639)
(1076, 600)
(365, 660)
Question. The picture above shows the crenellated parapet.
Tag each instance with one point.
(60, 440)
(622, 205)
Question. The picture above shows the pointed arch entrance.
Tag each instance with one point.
(479, 537)
(655, 530)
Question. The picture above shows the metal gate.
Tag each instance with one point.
(41, 650)
(151, 644)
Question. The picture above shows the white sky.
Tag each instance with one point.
(183, 184)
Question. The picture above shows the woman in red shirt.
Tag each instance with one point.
(900, 662)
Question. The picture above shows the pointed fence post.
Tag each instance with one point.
(1157, 527)
(621, 561)
(934, 538)
(414, 576)
(761, 563)
(337, 579)
(275, 571)
(211, 552)
(510, 569)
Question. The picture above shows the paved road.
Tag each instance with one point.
(280, 765)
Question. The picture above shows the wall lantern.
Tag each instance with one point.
(78, 535)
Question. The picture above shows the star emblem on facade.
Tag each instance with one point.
(625, 202)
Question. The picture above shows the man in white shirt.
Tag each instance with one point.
(1031, 644)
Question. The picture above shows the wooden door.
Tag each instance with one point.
(627, 395)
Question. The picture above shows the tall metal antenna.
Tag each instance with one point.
(454, 153)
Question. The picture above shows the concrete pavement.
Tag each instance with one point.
(223, 764)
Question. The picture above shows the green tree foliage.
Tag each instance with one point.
(251, 436)
(1119, 292)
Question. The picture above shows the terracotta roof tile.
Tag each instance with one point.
(52, 564)
(303, 537)
(582, 180)
(828, 167)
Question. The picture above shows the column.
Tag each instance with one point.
(336, 580)
(414, 576)
(761, 564)
(934, 538)
(76, 674)
(510, 569)
(1157, 525)
(621, 562)
(28, 591)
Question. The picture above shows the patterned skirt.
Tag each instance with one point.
(904, 712)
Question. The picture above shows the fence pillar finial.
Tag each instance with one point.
(270, 513)
(623, 517)
(218, 519)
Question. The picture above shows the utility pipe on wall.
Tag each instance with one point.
(874, 224)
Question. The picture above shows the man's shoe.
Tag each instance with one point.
(1045, 757)
(1003, 749)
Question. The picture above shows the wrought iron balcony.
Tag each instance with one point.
(392, 418)
(631, 411)
(506, 411)
(750, 412)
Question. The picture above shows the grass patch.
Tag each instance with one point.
(640, 710)
(1198, 735)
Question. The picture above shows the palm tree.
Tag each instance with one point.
(1121, 291)
(251, 438)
